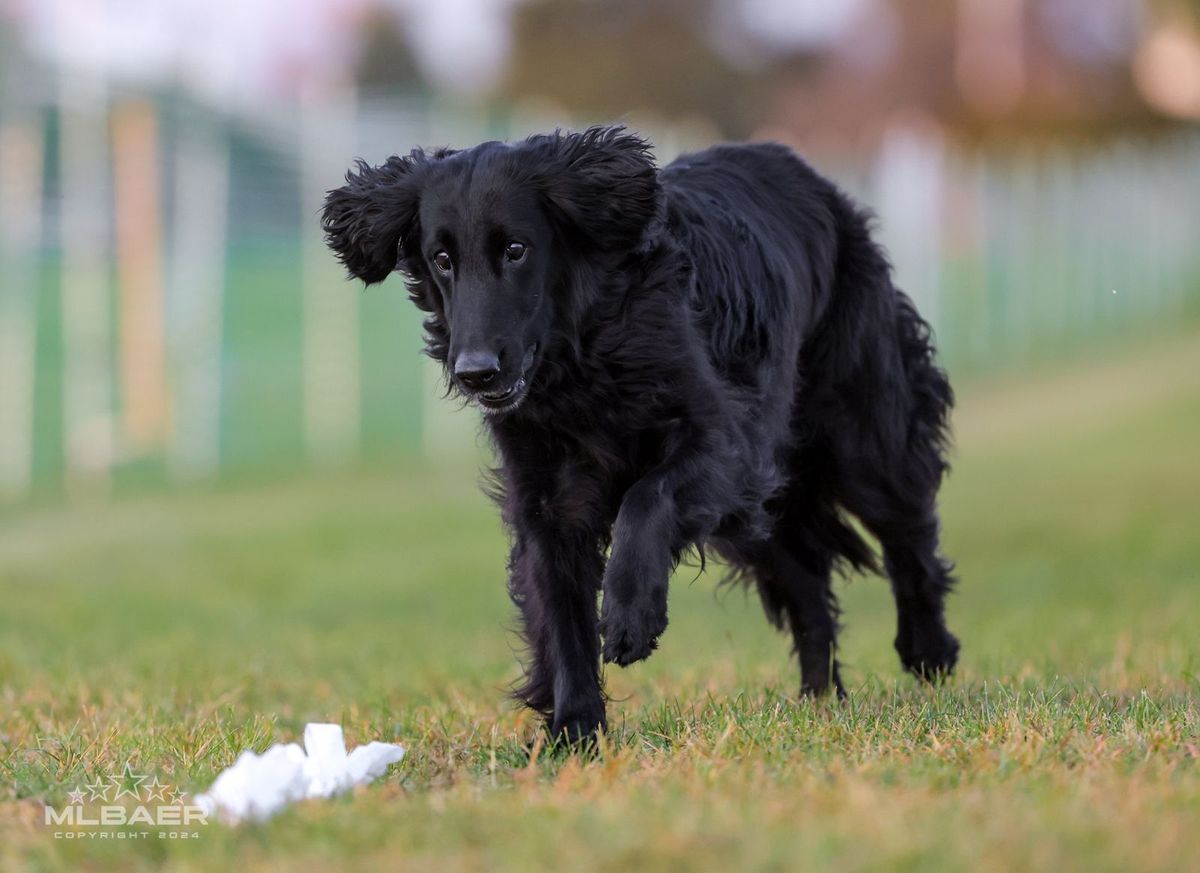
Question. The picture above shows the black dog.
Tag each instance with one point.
(712, 356)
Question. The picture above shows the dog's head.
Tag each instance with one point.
(490, 237)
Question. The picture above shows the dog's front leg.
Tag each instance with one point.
(554, 577)
(634, 613)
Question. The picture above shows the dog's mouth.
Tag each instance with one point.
(498, 402)
(502, 401)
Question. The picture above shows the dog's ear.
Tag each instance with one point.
(365, 219)
(602, 182)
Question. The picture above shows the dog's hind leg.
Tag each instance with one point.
(920, 581)
(895, 496)
(794, 568)
(897, 501)
(920, 576)
(883, 405)
(794, 584)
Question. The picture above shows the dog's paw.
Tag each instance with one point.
(631, 631)
(578, 734)
(929, 654)
(819, 686)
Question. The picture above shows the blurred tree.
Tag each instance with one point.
(612, 58)
(978, 68)
(1193, 6)
(981, 69)
(385, 60)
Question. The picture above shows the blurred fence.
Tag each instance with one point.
(168, 310)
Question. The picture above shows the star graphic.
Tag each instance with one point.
(99, 791)
(177, 797)
(156, 790)
(76, 796)
(122, 784)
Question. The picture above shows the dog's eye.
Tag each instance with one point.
(442, 261)
(514, 251)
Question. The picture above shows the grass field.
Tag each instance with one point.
(173, 631)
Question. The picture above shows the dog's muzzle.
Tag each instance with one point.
(496, 402)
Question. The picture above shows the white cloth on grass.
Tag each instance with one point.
(258, 786)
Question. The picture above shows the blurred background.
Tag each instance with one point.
(232, 500)
(169, 314)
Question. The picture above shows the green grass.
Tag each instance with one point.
(172, 631)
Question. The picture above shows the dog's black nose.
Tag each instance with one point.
(476, 370)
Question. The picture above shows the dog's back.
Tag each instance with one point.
(758, 224)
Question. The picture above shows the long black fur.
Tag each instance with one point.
(710, 356)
